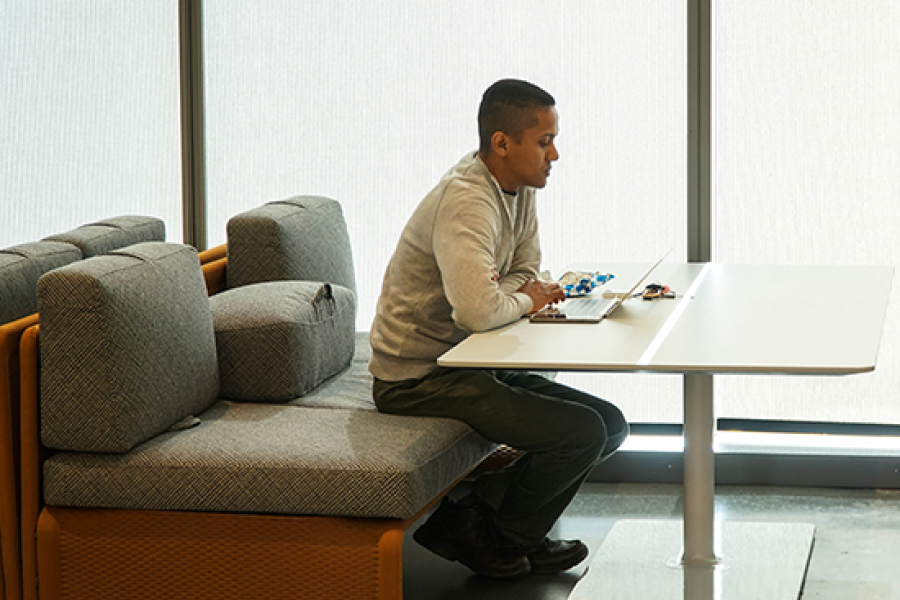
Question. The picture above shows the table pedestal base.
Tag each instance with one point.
(639, 560)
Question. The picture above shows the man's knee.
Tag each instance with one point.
(617, 429)
(589, 434)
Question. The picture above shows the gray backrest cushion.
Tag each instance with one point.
(302, 238)
(105, 236)
(278, 340)
(20, 268)
(127, 347)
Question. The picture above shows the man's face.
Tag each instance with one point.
(530, 159)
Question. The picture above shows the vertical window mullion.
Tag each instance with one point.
(699, 138)
(192, 122)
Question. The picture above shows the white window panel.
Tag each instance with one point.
(370, 102)
(89, 115)
(808, 157)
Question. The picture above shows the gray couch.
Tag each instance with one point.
(254, 402)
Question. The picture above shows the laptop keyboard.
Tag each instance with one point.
(584, 307)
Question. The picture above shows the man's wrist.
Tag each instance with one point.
(526, 304)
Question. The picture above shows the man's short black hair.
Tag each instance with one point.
(509, 105)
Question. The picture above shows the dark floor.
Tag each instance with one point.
(856, 555)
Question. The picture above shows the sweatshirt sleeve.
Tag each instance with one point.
(526, 260)
(467, 232)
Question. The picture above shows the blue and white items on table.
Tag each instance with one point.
(579, 283)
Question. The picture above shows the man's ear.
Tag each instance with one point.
(499, 143)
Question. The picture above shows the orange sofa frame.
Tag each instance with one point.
(10, 565)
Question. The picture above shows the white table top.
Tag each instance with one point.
(811, 320)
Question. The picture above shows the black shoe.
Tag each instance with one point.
(556, 556)
(466, 534)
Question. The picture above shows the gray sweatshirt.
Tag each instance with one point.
(440, 284)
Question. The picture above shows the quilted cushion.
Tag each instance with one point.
(267, 458)
(303, 238)
(21, 267)
(105, 236)
(279, 340)
(127, 347)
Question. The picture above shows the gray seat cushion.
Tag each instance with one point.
(349, 389)
(266, 458)
(302, 238)
(279, 340)
(127, 347)
(111, 234)
(20, 268)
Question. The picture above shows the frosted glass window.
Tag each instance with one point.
(808, 157)
(89, 114)
(370, 102)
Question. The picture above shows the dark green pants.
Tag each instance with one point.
(563, 432)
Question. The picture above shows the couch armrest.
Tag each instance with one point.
(214, 274)
(208, 256)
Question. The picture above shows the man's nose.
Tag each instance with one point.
(553, 155)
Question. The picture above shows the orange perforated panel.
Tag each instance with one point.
(102, 554)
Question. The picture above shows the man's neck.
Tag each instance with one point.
(496, 167)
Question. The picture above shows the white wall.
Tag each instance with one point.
(370, 102)
(89, 115)
(808, 172)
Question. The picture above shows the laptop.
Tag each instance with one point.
(590, 309)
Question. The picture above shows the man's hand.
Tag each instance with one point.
(542, 293)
